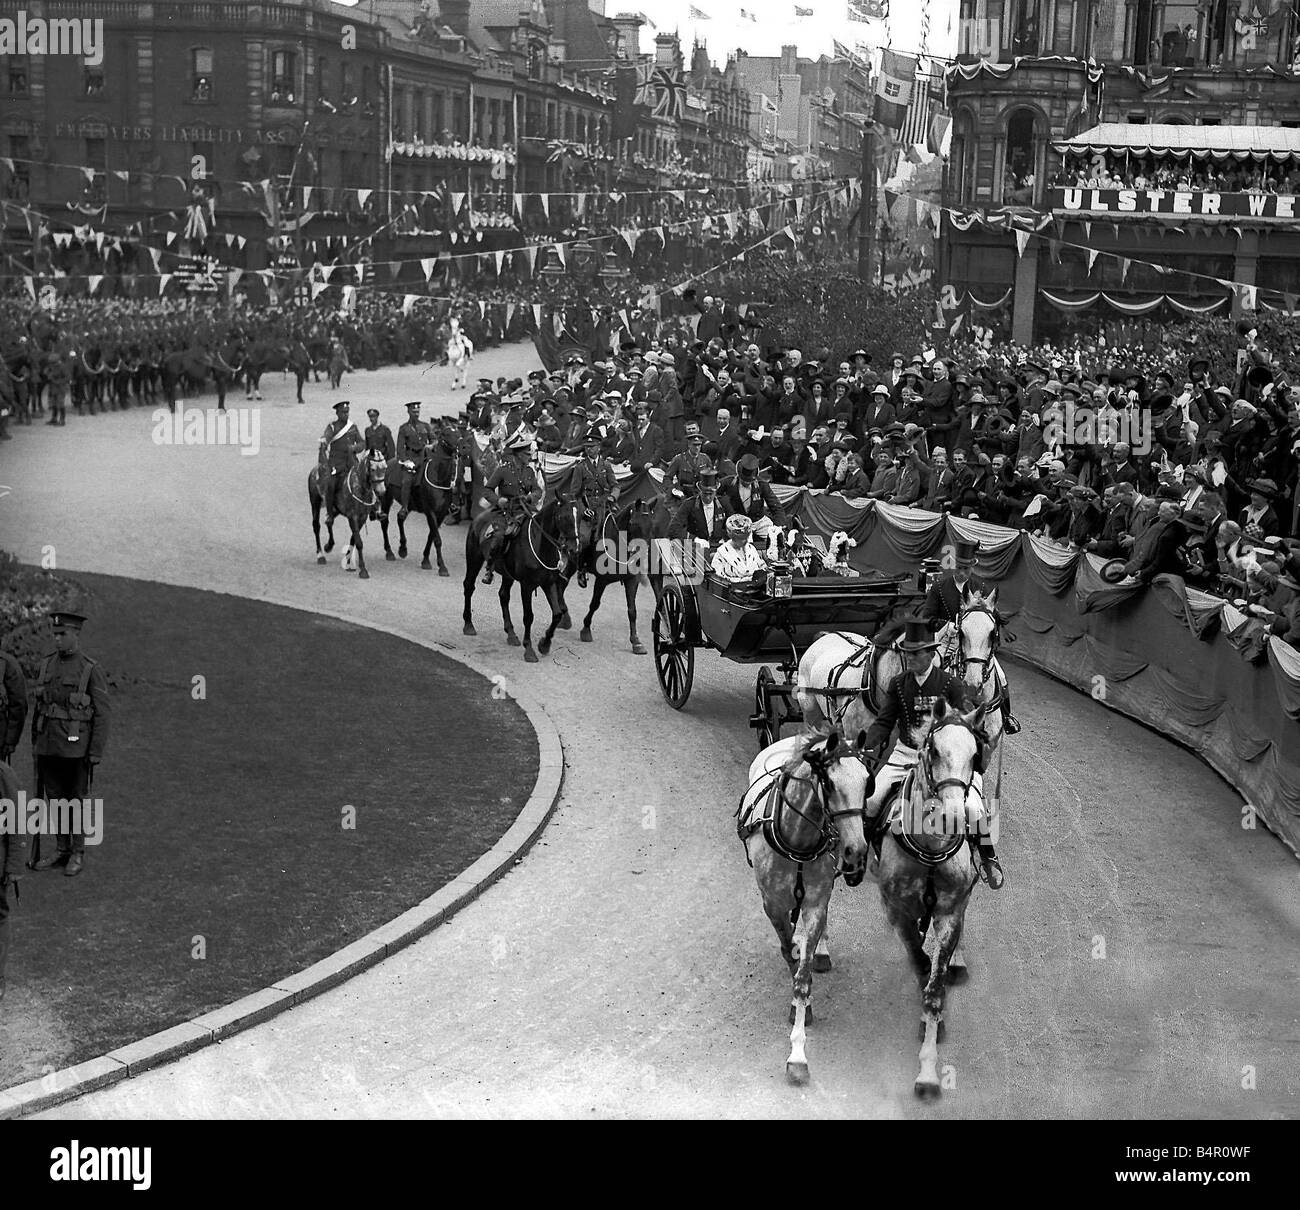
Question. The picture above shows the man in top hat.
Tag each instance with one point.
(340, 444)
(748, 494)
(517, 493)
(908, 709)
(413, 439)
(943, 605)
(703, 515)
(70, 721)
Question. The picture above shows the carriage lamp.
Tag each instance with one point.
(780, 580)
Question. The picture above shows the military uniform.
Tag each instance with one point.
(70, 725)
(517, 490)
(683, 475)
(594, 482)
(379, 439)
(339, 445)
(11, 851)
(412, 437)
(13, 704)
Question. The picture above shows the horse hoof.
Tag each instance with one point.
(512, 640)
(958, 974)
(566, 623)
(390, 557)
(321, 559)
(401, 551)
(544, 647)
(468, 629)
(926, 1090)
(363, 574)
(638, 648)
(796, 1073)
(821, 963)
(329, 546)
(530, 656)
(585, 636)
(425, 565)
(442, 570)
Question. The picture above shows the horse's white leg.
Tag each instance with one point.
(927, 1080)
(796, 1066)
(822, 954)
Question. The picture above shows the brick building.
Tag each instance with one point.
(1199, 97)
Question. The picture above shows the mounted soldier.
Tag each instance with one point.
(683, 474)
(595, 487)
(943, 606)
(413, 439)
(907, 708)
(518, 495)
(340, 444)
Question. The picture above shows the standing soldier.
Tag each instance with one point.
(412, 438)
(69, 730)
(13, 704)
(11, 848)
(683, 474)
(58, 376)
(339, 445)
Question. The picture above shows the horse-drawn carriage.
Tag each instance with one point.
(767, 624)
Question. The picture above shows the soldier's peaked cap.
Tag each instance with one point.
(67, 618)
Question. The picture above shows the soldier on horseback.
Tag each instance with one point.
(908, 702)
(339, 445)
(413, 438)
(595, 487)
(518, 494)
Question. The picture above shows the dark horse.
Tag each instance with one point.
(183, 368)
(622, 553)
(355, 495)
(536, 557)
(432, 493)
(265, 355)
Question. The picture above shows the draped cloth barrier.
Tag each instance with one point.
(1163, 654)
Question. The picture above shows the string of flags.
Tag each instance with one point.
(318, 277)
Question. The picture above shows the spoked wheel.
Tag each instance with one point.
(674, 655)
(764, 719)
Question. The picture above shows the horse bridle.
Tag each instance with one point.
(828, 831)
(934, 787)
(560, 544)
(986, 660)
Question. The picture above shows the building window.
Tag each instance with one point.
(322, 78)
(17, 75)
(1179, 35)
(201, 74)
(95, 160)
(18, 182)
(418, 124)
(92, 82)
(284, 77)
(1025, 18)
(367, 86)
(347, 83)
(1063, 27)
(1020, 167)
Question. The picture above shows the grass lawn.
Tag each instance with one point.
(223, 818)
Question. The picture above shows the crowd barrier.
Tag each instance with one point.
(1184, 662)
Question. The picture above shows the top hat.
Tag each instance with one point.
(747, 467)
(964, 553)
(66, 618)
(708, 477)
(918, 636)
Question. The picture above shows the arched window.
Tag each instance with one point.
(1022, 168)
(201, 72)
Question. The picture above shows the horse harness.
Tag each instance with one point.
(774, 801)
(905, 841)
(860, 658)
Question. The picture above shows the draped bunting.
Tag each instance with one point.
(1194, 309)
(998, 545)
(1050, 565)
(1092, 593)
(1198, 611)
(992, 305)
(1285, 663)
(1070, 304)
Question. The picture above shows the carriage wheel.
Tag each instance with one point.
(764, 719)
(674, 655)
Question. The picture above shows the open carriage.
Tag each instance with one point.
(768, 624)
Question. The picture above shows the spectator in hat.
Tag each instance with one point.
(748, 494)
(875, 411)
(884, 481)
(1260, 512)
(1085, 517)
(1155, 549)
(911, 476)
(649, 445)
(937, 493)
(802, 465)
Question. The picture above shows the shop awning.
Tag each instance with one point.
(1219, 142)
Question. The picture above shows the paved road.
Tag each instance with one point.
(1139, 961)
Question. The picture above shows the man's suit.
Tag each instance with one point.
(762, 502)
(690, 521)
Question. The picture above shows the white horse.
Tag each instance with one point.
(833, 674)
(926, 871)
(460, 352)
(801, 824)
(970, 646)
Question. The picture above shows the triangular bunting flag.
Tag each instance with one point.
(1092, 258)
(171, 238)
(530, 254)
(630, 236)
(499, 256)
(557, 322)
(545, 199)
(559, 251)
(537, 314)
(510, 314)
(317, 287)
(163, 279)
(482, 309)
(1124, 264)
(30, 283)
(1022, 241)
(457, 201)
(427, 263)
(232, 279)
(363, 196)
(95, 279)
(408, 301)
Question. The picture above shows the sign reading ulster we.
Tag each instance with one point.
(1173, 201)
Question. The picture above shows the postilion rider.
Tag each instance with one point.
(413, 438)
(69, 730)
(518, 495)
(942, 608)
(909, 701)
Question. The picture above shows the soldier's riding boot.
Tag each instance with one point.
(986, 862)
(1010, 724)
(488, 549)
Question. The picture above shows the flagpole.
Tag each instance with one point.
(867, 211)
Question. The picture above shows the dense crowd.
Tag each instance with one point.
(1157, 472)
(1146, 172)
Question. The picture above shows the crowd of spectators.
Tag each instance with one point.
(1189, 174)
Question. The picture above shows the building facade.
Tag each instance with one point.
(1050, 94)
